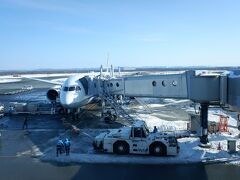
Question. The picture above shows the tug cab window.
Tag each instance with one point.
(143, 133)
(139, 133)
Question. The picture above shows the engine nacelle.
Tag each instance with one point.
(53, 93)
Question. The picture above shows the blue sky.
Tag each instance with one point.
(80, 33)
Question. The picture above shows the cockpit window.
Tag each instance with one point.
(72, 88)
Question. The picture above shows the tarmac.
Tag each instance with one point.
(21, 151)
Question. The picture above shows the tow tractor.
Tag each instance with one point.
(137, 139)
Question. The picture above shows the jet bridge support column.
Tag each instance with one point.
(103, 106)
(204, 123)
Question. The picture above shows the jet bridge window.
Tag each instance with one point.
(163, 83)
(174, 83)
(154, 83)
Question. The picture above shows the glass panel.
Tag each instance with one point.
(65, 89)
(143, 133)
(78, 88)
(71, 88)
(146, 128)
(137, 132)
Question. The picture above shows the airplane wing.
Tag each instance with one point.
(54, 81)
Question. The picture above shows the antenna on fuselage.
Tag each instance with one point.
(107, 61)
(119, 71)
(101, 70)
(112, 71)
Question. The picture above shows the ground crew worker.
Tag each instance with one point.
(155, 129)
(67, 145)
(238, 122)
(25, 123)
(59, 147)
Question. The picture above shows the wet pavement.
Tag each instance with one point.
(28, 168)
(20, 158)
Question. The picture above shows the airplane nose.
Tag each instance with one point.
(66, 100)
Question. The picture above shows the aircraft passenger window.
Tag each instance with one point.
(117, 84)
(71, 88)
(111, 84)
(78, 88)
(65, 89)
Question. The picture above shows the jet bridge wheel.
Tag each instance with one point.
(157, 149)
(121, 147)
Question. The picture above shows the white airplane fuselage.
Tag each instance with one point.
(72, 93)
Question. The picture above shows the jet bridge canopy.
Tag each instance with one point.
(213, 89)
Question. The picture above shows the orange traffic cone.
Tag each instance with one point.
(219, 147)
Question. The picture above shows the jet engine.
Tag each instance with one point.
(53, 93)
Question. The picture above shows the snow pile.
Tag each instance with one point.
(163, 125)
(190, 151)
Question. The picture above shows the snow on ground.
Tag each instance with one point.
(59, 80)
(162, 125)
(9, 80)
(190, 151)
(37, 75)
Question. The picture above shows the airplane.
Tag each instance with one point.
(74, 91)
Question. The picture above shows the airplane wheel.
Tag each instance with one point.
(107, 119)
(61, 111)
(74, 117)
(121, 147)
(114, 117)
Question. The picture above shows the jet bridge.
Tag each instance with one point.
(221, 89)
